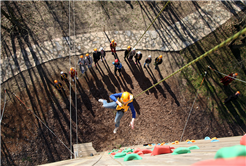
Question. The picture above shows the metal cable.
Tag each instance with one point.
(70, 85)
(192, 108)
(3, 106)
(226, 75)
(75, 81)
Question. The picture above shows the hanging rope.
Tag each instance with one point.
(70, 88)
(222, 44)
(76, 106)
(42, 122)
(151, 23)
(226, 75)
(192, 107)
(3, 106)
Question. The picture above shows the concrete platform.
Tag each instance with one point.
(207, 151)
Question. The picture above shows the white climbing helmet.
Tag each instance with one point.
(101, 49)
(149, 56)
(139, 52)
(134, 49)
(61, 72)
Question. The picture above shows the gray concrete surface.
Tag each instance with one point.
(207, 151)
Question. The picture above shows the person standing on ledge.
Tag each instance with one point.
(118, 66)
(88, 60)
(127, 52)
(147, 61)
(158, 61)
(232, 97)
(81, 64)
(63, 76)
(138, 57)
(103, 54)
(113, 46)
(96, 56)
(121, 103)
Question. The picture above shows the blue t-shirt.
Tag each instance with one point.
(119, 65)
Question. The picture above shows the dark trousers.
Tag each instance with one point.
(119, 70)
(230, 98)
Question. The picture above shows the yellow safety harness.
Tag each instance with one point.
(64, 76)
(124, 107)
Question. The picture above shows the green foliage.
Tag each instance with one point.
(225, 60)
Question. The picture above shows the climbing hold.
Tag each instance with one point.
(192, 141)
(149, 145)
(113, 153)
(161, 150)
(243, 140)
(173, 143)
(145, 151)
(137, 150)
(176, 142)
(207, 138)
(230, 152)
(194, 147)
(239, 161)
(129, 153)
(159, 144)
(140, 153)
(187, 140)
(119, 155)
(166, 144)
(215, 140)
(120, 150)
(181, 150)
(153, 144)
(132, 157)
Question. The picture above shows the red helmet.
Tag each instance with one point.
(116, 61)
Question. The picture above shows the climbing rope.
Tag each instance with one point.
(70, 88)
(222, 44)
(192, 107)
(226, 75)
(3, 106)
(76, 106)
(151, 23)
(42, 122)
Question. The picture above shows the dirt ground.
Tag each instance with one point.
(161, 111)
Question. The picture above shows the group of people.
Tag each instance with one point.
(123, 101)
(129, 54)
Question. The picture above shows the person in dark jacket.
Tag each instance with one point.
(127, 52)
(232, 97)
(158, 61)
(63, 76)
(58, 85)
(103, 54)
(147, 61)
(96, 56)
(138, 57)
(118, 66)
